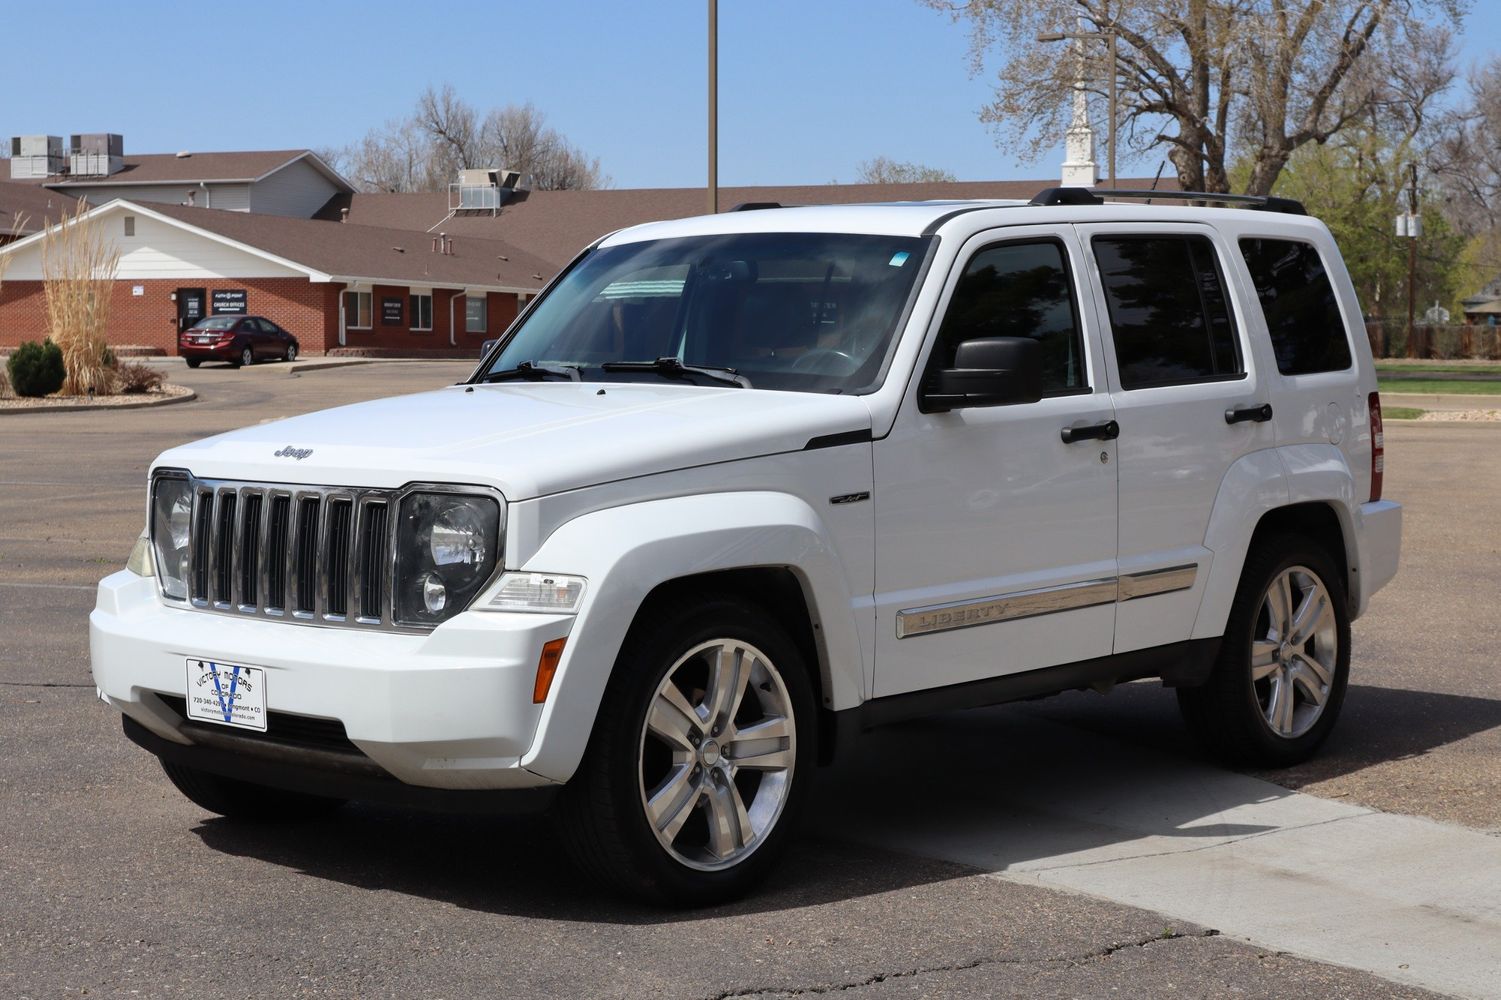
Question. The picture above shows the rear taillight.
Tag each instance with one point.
(1378, 446)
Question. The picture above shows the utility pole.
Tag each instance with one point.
(713, 107)
(1114, 87)
(1412, 260)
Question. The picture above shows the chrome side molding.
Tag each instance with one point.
(1045, 601)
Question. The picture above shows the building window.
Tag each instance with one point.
(357, 310)
(474, 313)
(422, 312)
(130, 225)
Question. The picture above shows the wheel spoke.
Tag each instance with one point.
(1279, 599)
(1263, 659)
(672, 719)
(1310, 612)
(729, 673)
(762, 746)
(1279, 702)
(729, 825)
(1322, 675)
(670, 805)
(1306, 679)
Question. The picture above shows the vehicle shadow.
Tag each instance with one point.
(1076, 779)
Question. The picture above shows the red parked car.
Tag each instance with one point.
(240, 340)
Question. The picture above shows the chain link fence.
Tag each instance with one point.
(1434, 342)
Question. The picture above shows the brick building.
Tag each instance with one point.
(334, 285)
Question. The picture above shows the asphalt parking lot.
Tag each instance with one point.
(113, 885)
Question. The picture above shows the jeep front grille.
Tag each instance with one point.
(314, 554)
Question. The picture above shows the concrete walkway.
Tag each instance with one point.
(1040, 803)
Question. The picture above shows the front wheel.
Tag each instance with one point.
(291, 352)
(701, 758)
(1280, 679)
(242, 800)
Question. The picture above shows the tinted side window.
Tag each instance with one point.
(1019, 290)
(1302, 316)
(1168, 312)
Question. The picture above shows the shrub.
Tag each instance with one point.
(133, 378)
(107, 358)
(36, 369)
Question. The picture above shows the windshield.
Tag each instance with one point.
(812, 312)
(216, 323)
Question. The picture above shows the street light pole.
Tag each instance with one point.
(713, 107)
(1114, 87)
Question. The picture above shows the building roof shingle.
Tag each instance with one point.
(27, 209)
(171, 168)
(399, 256)
(556, 225)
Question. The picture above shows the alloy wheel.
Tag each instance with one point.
(717, 752)
(1294, 652)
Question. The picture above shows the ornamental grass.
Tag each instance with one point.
(78, 275)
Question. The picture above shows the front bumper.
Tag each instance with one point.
(451, 709)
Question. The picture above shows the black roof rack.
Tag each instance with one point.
(755, 206)
(1097, 196)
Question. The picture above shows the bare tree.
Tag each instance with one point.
(884, 170)
(1467, 162)
(446, 134)
(1203, 78)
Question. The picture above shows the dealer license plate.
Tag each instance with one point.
(227, 694)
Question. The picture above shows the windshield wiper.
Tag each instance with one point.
(531, 371)
(673, 367)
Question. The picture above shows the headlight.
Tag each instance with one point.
(171, 519)
(446, 548)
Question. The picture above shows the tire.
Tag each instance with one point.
(1244, 713)
(646, 747)
(246, 358)
(291, 352)
(244, 801)
(194, 362)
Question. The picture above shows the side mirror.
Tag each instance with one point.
(987, 371)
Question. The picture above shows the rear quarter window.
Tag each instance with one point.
(1297, 298)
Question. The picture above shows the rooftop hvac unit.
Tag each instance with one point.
(96, 154)
(98, 143)
(36, 145)
(34, 156)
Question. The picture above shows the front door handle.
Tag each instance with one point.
(1108, 431)
(1260, 414)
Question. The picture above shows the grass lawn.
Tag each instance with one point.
(1439, 386)
(1387, 368)
(1401, 412)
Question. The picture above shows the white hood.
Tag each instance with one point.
(525, 439)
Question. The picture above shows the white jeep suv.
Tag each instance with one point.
(736, 488)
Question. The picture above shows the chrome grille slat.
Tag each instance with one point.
(312, 555)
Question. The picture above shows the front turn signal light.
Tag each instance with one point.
(547, 667)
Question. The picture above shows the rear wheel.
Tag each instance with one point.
(242, 800)
(701, 758)
(247, 357)
(1278, 685)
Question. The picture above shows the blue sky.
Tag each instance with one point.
(807, 89)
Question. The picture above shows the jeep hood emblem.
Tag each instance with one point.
(297, 453)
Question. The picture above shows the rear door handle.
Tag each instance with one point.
(1260, 414)
(1108, 431)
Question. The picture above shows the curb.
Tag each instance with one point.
(85, 407)
(1442, 400)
